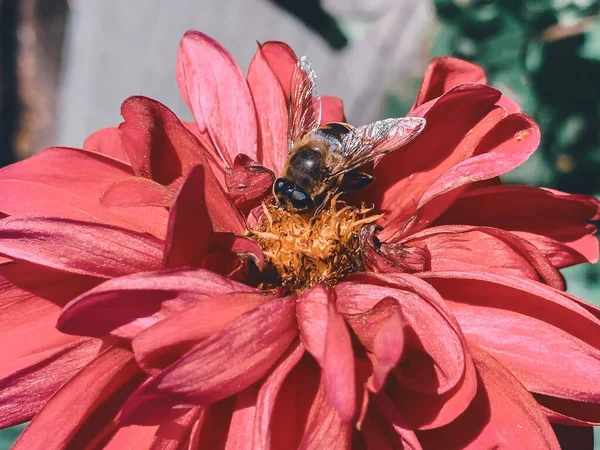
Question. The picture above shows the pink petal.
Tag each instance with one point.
(405, 175)
(268, 394)
(248, 183)
(173, 434)
(338, 366)
(381, 331)
(224, 364)
(555, 222)
(158, 145)
(137, 191)
(325, 428)
(312, 309)
(107, 142)
(506, 146)
(77, 171)
(241, 427)
(61, 417)
(27, 197)
(569, 412)
(531, 329)
(443, 74)
(386, 409)
(79, 247)
(281, 59)
(190, 228)
(29, 382)
(503, 415)
(218, 95)
(127, 305)
(271, 110)
(433, 351)
(332, 109)
(484, 249)
(437, 411)
(161, 344)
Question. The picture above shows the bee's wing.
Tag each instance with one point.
(305, 105)
(368, 142)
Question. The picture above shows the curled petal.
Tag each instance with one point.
(555, 222)
(433, 358)
(531, 329)
(218, 95)
(248, 183)
(489, 422)
(443, 74)
(484, 249)
(404, 176)
(224, 364)
(157, 143)
(163, 343)
(127, 305)
(506, 146)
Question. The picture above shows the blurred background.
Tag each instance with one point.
(66, 66)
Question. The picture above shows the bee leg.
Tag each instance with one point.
(355, 180)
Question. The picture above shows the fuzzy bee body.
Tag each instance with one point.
(325, 159)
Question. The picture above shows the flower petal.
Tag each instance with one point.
(443, 74)
(391, 415)
(127, 305)
(404, 175)
(484, 249)
(248, 183)
(433, 354)
(332, 109)
(282, 60)
(506, 146)
(313, 314)
(530, 329)
(61, 417)
(161, 344)
(268, 394)
(555, 222)
(137, 191)
(272, 114)
(224, 364)
(338, 366)
(157, 143)
(325, 428)
(79, 247)
(77, 171)
(218, 95)
(107, 142)
(503, 415)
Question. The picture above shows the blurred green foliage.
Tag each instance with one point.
(546, 55)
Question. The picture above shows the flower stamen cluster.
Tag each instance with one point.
(305, 249)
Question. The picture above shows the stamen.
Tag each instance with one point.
(302, 249)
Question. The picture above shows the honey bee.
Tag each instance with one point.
(323, 160)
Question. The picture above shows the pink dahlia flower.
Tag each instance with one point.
(192, 312)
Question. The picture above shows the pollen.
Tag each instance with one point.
(302, 249)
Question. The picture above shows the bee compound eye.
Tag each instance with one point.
(301, 200)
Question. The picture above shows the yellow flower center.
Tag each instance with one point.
(303, 249)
